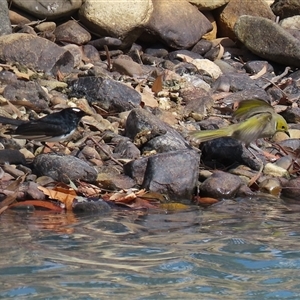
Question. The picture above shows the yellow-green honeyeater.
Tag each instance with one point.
(259, 120)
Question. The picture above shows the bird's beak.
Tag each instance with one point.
(287, 133)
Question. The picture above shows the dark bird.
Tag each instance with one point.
(51, 128)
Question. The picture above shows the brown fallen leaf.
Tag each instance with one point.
(66, 196)
(38, 203)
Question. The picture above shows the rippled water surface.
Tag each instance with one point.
(247, 249)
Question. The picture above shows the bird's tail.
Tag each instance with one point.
(207, 135)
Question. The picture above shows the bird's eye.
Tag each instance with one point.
(282, 127)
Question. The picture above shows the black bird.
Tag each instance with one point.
(51, 128)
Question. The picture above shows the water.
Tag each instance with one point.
(248, 249)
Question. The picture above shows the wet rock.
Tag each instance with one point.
(12, 157)
(252, 32)
(28, 91)
(109, 94)
(64, 168)
(87, 206)
(290, 188)
(136, 169)
(223, 150)
(168, 23)
(163, 139)
(49, 10)
(174, 173)
(221, 185)
(72, 32)
(284, 9)
(126, 22)
(270, 186)
(37, 53)
(5, 26)
(233, 10)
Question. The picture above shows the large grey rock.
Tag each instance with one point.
(37, 53)
(234, 9)
(278, 45)
(121, 19)
(173, 173)
(107, 93)
(5, 26)
(177, 23)
(48, 9)
(64, 168)
(221, 185)
(72, 32)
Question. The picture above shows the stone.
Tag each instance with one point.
(127, 67)
(136, 169)
(48, 9)
(208, 5)
(228, 15)
(251, 31)
(124, 21)
(109, 94)
(27, 91)
(285, 9)
(177, 28)
(221, 185)
(162, 138)
(82, 205)
(5, 26)
(64, 168)
(35, 53)
(207, 66)
(72, 32)
(173, 174)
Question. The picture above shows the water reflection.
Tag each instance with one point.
(247, 249)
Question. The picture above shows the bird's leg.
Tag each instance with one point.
(254, 178)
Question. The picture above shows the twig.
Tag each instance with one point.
(277, 78)
(105, 152)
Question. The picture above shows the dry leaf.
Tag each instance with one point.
(63, 195)
(260, 73)
(157, 84)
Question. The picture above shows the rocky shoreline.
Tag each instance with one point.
(147, 74)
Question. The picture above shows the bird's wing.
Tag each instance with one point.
(39, 129)
(249, 108)
(253, 128)
(10, 121)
